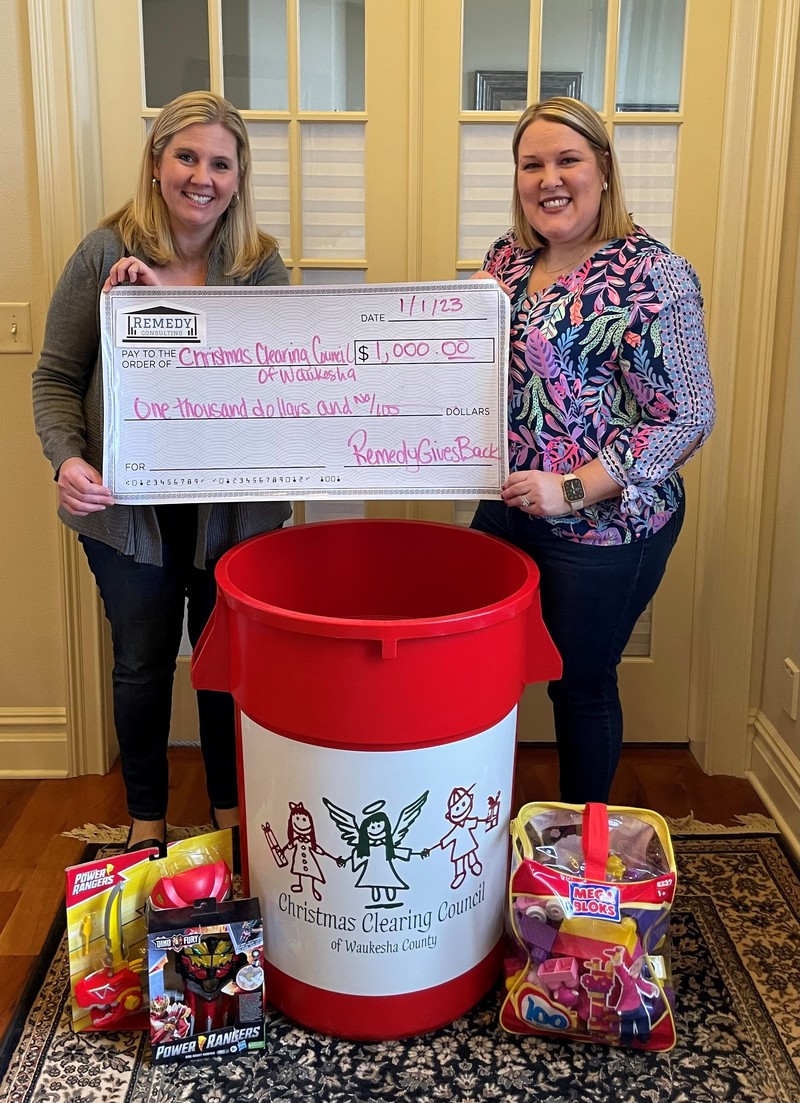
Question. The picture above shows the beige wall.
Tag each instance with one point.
(31, 645)
(32, 649)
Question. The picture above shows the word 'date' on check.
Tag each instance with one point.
(237, 393)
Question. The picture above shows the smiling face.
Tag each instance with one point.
(198, 173)
(461, 808)
(560, 183)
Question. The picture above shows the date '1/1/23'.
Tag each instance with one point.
(430, 306)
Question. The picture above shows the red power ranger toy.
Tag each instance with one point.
(114, 992)
(207, 967)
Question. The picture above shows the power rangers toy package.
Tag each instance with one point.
(589, 904)
(206, 980)
(106, 929)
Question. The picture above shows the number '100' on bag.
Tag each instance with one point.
(590, 893)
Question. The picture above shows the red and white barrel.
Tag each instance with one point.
(376, 668)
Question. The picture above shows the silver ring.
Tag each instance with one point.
(526, 503)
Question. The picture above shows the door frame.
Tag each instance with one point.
(753, 180)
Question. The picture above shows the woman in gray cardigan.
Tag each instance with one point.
(191, 221)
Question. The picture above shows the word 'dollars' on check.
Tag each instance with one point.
(237, 393)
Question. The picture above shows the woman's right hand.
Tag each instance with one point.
(482, 275)
(80, 488)
(131, 270)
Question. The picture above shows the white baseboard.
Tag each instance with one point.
(33, 743)
(775, 775)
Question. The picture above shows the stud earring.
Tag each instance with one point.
(605, 185)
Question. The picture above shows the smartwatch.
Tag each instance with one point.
(573, 492)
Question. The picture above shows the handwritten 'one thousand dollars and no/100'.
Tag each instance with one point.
(237, 393)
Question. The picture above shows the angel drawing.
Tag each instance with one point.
(375, 847)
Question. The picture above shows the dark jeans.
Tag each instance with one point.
(145, 607)
(592, 597)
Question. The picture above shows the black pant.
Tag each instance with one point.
(592, 596)
(145, 607)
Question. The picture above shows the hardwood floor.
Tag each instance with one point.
(34, 853)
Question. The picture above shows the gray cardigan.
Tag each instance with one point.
(68, 407)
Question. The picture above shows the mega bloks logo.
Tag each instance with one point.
(597, 901)
(160, 324)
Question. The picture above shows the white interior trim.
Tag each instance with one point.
(775, 775)
(64, 74)
(750, 216)
(33, 742)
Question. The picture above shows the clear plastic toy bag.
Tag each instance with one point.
(590, 894)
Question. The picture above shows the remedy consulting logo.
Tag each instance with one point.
(160, 325)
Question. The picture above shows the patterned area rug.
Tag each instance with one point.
(736, 946)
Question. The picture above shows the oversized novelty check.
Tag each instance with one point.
(240, 393)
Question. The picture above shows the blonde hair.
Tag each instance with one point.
(614, 220)
(143, 223)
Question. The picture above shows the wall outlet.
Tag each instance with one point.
(790, 687)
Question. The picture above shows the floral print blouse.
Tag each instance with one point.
(609, 362)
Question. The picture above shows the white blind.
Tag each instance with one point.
(269, 144)
(335, 511)
(647, 159)
(486, 177)
(333, 190)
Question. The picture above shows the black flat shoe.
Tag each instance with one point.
(236, 847)
(146, 844)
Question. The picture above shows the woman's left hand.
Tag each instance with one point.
(539, 493)
(131, 270)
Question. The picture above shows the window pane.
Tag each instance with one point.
(269, 147)
(334, 511)
(331, 55)
(254, 61)
(650, 61)
(487, 174)
(647, 159)
(333, 190)
(175, 36)
(574, 49)
(333, 277)
(495, 61)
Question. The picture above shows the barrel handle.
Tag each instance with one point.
(543, 662)
(211, 658)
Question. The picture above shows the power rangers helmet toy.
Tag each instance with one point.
(181, 890)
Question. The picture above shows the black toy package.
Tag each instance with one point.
(206, 980)
(107, 938)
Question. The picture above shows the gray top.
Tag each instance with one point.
(68, 406)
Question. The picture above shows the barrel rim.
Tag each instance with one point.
(398, 628)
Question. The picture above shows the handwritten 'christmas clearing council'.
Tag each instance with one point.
(244, 393)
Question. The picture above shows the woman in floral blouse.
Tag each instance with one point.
(609, 394)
